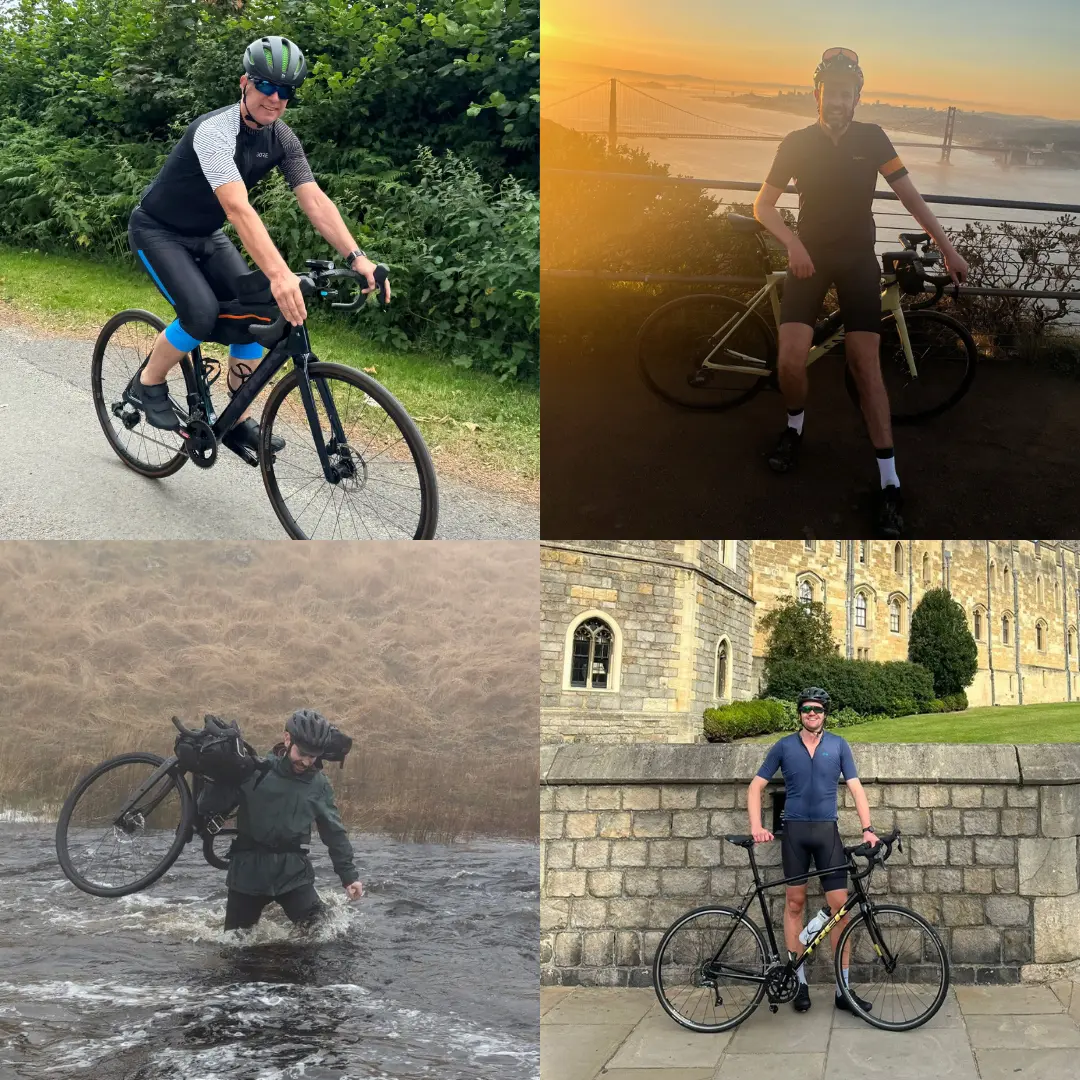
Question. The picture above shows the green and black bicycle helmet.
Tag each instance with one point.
(814, 693)
(309, 730)
(277, 59)
(839, 62)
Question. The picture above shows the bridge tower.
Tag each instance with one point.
(613, 120)
(947, 141)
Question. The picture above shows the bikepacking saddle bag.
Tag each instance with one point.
(254, 304)
(218, 753)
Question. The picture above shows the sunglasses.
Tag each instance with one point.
(828, 54)
(811, 709)
(264, 86)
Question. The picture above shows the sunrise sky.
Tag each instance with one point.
(1012, 56)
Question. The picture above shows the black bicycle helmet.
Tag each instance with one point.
(840, 64)
(813, 693)
(309, 730)
(277, 59)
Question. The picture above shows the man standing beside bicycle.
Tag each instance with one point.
(812, 762)
(835, 163)
(176, 229)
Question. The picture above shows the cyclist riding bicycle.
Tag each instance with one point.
(176, 230)
(835, 163)
(812, 761)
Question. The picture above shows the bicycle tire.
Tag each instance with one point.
(211, 856)
(187, 812)
(686, 326)
(869, 1017)
(670, 932)
(894, 366)
(429, 490)
(102, 408)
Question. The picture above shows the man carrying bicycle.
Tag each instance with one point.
(812, 762)
(176, 230)
(835, 163)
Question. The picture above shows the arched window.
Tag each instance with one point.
(978, 624)
(1057, 594)
(862, 551)
(1070, 645)
(898, 558)
(592, 653)
(894, 615)
(926, 568)
(860, 609)
(1005, 621)
(806, 591)
(723, 669)
(1040, 635)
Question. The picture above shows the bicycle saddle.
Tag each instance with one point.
(742, 223)
(740, 840)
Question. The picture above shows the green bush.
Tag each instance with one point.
(846, 718)
(894, 688)
(742, 719)
(957, 702)
(941, 641)
(937, 705)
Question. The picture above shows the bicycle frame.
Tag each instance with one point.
(832, 328)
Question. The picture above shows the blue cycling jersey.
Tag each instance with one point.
(810, 782)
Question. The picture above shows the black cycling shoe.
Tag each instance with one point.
(842, 1002)
(153, 402)
(890, 525)
(786, 453)
(802, 998)
(246, 435)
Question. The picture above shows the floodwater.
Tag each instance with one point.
(434, 973)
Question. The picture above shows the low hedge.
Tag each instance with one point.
(892, 688)
(763, 716)
(957, 702)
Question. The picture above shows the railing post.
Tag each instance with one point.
(613, 123)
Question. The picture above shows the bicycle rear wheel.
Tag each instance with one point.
(216, 848)
(675, 340)
(384, 484)
(897, 963)
(696, 992)
(945, 357)
(120, 351)
(108, 853)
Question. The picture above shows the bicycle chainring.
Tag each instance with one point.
(200, 443)
(781, 985)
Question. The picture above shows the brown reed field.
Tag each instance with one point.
(426, 654)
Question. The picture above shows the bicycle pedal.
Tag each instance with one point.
(215, 824)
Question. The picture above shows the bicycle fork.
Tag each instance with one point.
(345, 468)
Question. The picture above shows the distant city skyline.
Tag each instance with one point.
(982, 55)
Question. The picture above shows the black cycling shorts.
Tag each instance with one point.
(820, 840)
(301, 905)
(857, 277)
(193, 273)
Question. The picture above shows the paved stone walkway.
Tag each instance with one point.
(980, 1033)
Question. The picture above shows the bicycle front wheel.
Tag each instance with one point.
(897, 964)
(216, 848)
(945, 357)
(107, 847)
(704, 991)
(120, 351)
(382, 484)
(680, 344)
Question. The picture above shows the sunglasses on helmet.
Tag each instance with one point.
(848, 54)
(264, 86)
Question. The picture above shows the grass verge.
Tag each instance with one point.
(477, 428)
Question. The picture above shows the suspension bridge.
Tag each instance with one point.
(622, 111)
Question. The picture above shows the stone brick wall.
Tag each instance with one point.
(632, 837)
(669, 604)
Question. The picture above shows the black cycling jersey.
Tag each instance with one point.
(835, 181)
(218, 148)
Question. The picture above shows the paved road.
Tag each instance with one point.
(987, 1032)
(60, 480)
(620, 463)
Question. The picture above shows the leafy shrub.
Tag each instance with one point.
(957, 702)
(847, 718)
(894, 688)
(742, 719)
(937, 705)
(941, 641)
(797, 630)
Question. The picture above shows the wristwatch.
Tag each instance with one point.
(870, 828)
(353, 255)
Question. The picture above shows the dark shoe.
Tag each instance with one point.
(842, 1002)
(890, 525)
(802, 998)
(246, 435)
(786, 454)
(153, 402)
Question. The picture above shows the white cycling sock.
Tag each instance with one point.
(886, 464)
(802, 974)
(845, 970)
(795, 420)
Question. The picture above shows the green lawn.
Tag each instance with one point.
(1055, 723)
(477, 427)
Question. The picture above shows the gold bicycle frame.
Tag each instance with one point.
(751, 365)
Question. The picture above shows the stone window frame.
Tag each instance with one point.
(926, 568)
(900, 600)
(1070, 644)
(809, 545)
(1039, 590)
(864, 553)
(616, 653)
(869, 597)
(1006, 570)
(898, 558)
(816, 583)
(838, 550)
(978, 621)
(727, 553)
(1057, 594)
(721, 642)
(1041, 629)
(1007, 623)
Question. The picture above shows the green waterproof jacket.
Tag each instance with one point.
(276, 812)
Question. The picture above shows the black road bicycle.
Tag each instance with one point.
(713, 967)
(709, 351)
(354, 465)
(127, 820)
